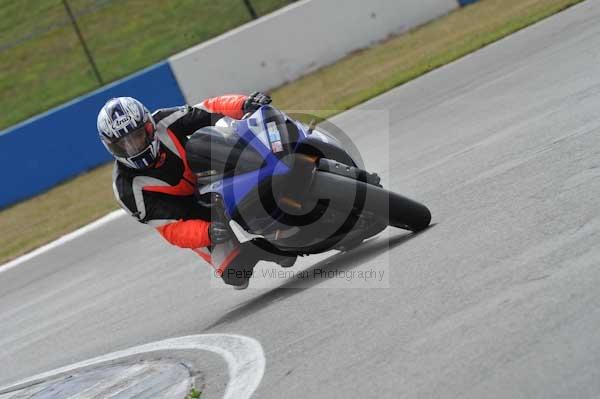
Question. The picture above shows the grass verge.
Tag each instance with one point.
(349, 82)
(43, 63)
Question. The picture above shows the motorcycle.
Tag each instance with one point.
(293, 189)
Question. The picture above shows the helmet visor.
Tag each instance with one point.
(133, 143)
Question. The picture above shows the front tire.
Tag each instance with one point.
(407, 214)
(389, 207)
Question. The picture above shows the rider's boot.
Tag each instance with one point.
(286, 261)
(238, 275)
(242, 286)
(281, 259)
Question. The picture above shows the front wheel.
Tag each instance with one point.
(406, 213)
(389, 207)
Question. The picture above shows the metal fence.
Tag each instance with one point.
(71, 15)
(9, 42)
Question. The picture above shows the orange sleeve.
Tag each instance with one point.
(230, 105)
(186, 233)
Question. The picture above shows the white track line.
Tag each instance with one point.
(62, 240)
(244, 356)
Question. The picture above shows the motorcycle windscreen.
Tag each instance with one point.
(274, 130)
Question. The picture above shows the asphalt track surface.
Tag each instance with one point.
(499, 299)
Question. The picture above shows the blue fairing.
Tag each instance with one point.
(254, 132)
(234, 189)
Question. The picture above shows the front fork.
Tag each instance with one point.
(296, 184)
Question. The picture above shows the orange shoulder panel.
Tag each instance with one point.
(230, 105)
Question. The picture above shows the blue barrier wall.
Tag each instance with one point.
(466, 2)
(43, 151)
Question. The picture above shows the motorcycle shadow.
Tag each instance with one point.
(340, 261)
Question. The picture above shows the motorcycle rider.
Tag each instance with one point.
(153, 182)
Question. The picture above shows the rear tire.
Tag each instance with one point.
(391, 208)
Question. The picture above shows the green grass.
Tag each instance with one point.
(194, 394)
(123, 36)
(349, 82)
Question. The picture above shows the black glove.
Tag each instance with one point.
(218, 232)
(255, 101)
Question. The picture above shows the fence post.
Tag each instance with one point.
(83, 44)
(251, 9)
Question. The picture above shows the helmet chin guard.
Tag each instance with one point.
(144, 159)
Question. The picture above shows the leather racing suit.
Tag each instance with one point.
(163, 195)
